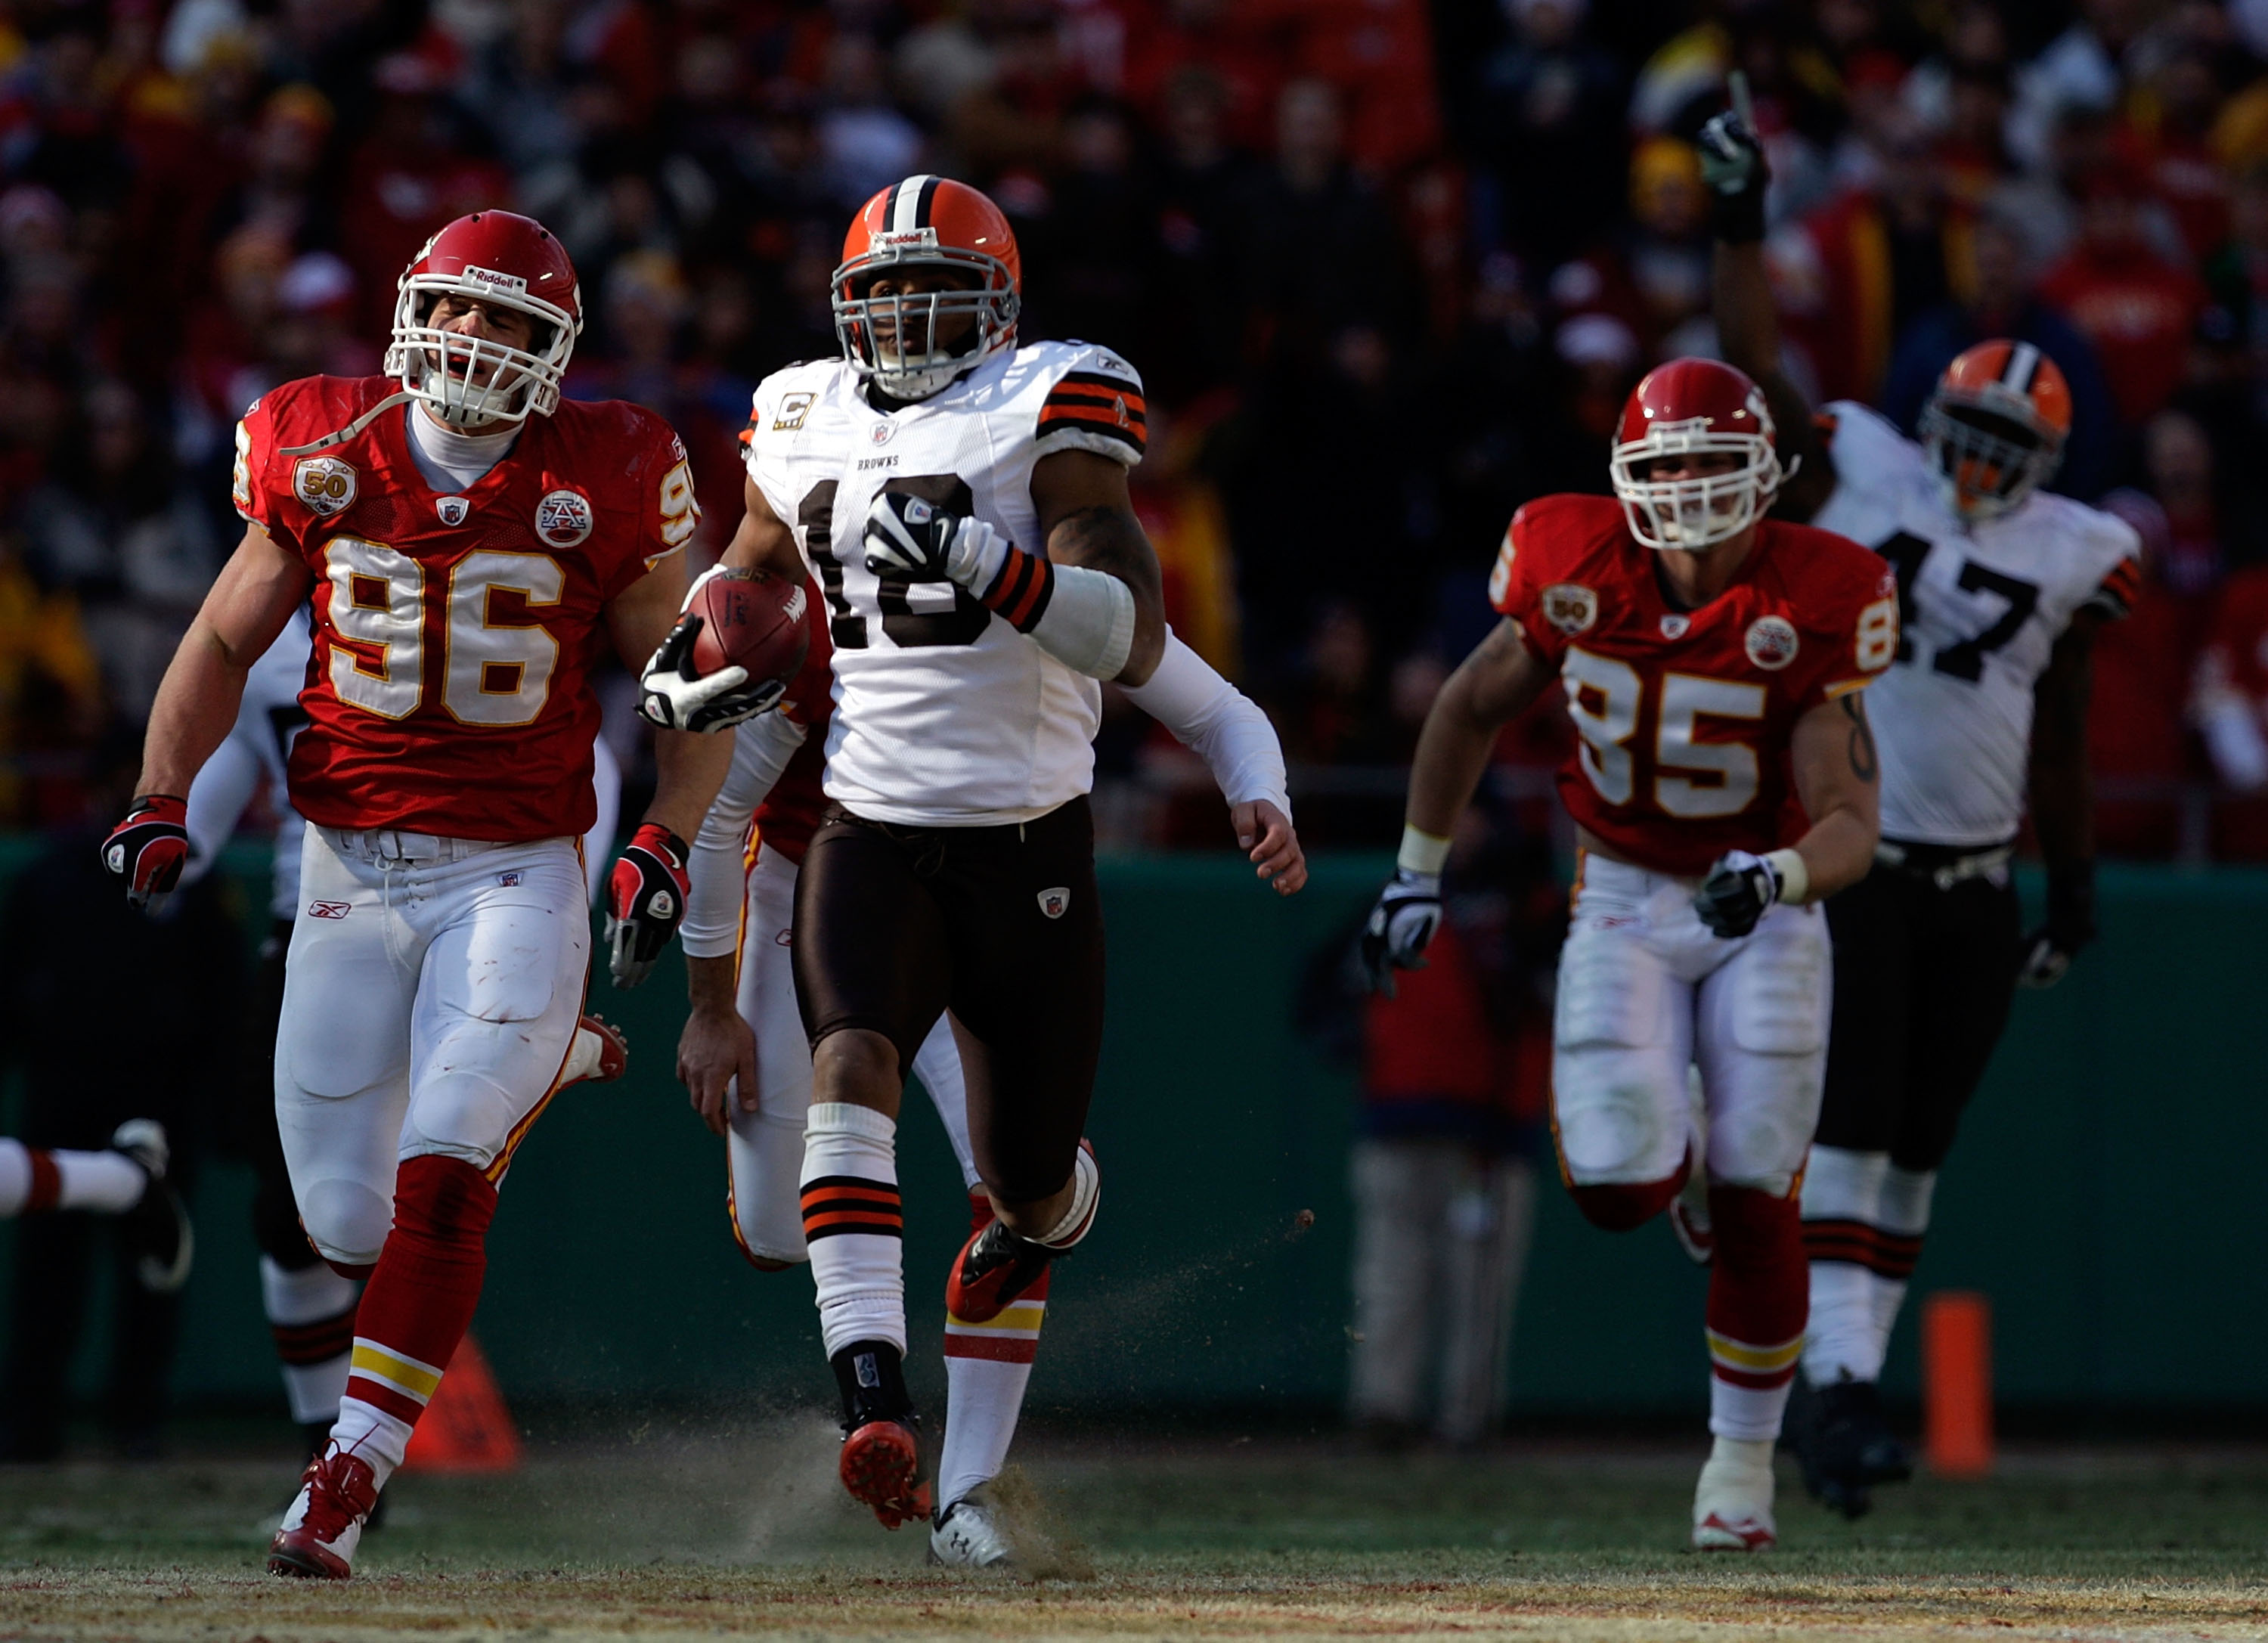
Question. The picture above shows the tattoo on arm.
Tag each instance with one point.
(1866, 765)
(1108, 539)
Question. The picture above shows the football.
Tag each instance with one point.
(754, 620)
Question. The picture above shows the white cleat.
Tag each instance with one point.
(1733, 1502)
(969, 1534)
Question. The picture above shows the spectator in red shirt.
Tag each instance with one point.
(2138, 309)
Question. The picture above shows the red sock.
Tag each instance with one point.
(1759, 1301)
(418, 1302)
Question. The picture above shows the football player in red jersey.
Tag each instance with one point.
(1723, 785)
(467, 541)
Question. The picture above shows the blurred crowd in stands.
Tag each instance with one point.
(1388, 267)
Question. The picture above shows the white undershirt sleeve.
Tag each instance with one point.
(218, 800)
(761, 748)
(1219, 723)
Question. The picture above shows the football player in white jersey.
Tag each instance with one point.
(311, 1308)
(963, 502)
(2001, 586)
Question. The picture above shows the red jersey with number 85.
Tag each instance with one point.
(449, 688)
(1684, 717)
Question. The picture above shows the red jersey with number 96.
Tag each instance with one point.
(448, 691)
(1684, 717)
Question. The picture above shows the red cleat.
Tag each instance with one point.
(995, 1266)
(320, 1531)
(881, 1468)
(600, 1054)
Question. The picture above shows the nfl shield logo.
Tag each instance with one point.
(1055, 903)
(452, 509)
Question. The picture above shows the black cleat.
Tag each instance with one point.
(1845, 1447)
(165, 1244)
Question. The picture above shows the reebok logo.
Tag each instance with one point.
(329, 910)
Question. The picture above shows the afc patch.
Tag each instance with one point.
(1771, 641)
(1056, 902)
(1570, 606)
(793, 410)
(329, 910)
(452, 509)
(563, 518)
(325, 483)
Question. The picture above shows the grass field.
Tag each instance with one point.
(744, 1533)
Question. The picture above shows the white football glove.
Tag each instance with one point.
(922, 541)
(673, 696)
(1400, 926)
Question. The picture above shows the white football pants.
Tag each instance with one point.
(1647, 990)
(429, 1004)
(765, 1147)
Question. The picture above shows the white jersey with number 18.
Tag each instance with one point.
(1982, 607)
(945, 715)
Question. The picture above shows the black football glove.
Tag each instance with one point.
(915, 540)
(674, 696)
(1736, 172)
(645, 901)
(2048, 951)
(149, 849)
(1740, 890)
(1400, 927)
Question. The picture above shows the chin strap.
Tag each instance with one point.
(352, 429)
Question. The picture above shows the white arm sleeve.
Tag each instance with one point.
(1089, 622)
(761, 748)
(217, 798)
(1219, 723)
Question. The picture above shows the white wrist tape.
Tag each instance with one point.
(1794, 877)
(1421, 852)
(1088, 624)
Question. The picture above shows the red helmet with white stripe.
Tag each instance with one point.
(912, 344)
(1994, 428)
(514, 263)
(1696, 460)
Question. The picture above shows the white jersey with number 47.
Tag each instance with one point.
(945, 715)
(1982, 607)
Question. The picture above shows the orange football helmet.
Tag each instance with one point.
(1994, 428)
(913, 345)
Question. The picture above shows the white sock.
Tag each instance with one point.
(1086, 1193)
(854, 1224)
(1748, 1414)
(370, 1432)
(1841, 1209)
(15, 1177)
(1904, 1214)
(111, 1181)
(308, 1311)
(987, 1367)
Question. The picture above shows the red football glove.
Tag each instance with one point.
(645, 901)
(149, 849)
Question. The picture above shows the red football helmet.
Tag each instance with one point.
(913, 345)
(481, 384)
(1687, 408)
(1994, 428)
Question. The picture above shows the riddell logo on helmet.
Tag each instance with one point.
(902, 239)
(512, 283)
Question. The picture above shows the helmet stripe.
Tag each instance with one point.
(907, 202)
(928, 199)
(2023, 365)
